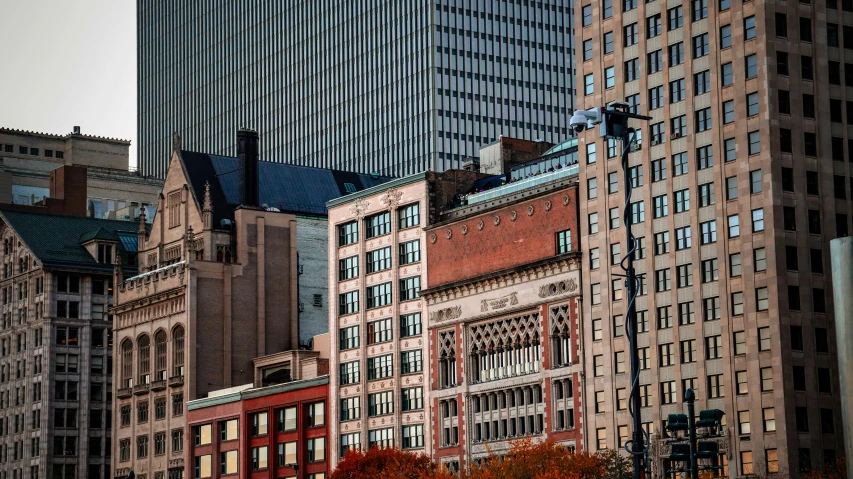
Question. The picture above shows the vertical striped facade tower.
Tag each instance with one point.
(388, 86)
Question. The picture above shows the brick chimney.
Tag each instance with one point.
(247, 157)
(68, 185)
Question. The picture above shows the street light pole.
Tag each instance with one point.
(690, 398)
(613, 125)
(638, 442)
(616, 125)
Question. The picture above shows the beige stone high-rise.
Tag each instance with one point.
(741, 182)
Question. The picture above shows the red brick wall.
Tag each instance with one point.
(243, 410)
(509, 243)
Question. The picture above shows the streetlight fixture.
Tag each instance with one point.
(613, 125)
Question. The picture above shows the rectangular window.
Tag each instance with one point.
(347, 268)
(661, 206)
(751, 66)
(685, 313)
(709, 270)
(411, 361)
(379, 295)
(379, 331)
(350, 373)
(350, 408)
(703, 119)
(682, 238)
(676, 54)
(409, 216)
(380, 404)
(410, 288)
(377, 225)
(632, 35)
(700, 45)
(413, 399)
(661, 243)
(348, 303)
(347, 233)
(413, 436)
(260, 458)
(757, 220)
(674, 18)
(316, 414)
(410, 252)
(410, 325)
(380, 367)
(688, 351)
(682, 201)
(655, 61)
(659, 169)
(378, 260)
(564, 241)
(702, 82)
(685, 275)
(726, 36)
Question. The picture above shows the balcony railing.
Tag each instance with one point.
(176, 381)
(140, 389)
(124, 393)
(520, 185)
(158, 385)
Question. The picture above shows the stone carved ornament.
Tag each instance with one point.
(499, 303)
(446, 314)
(358, 208)
(559, 287)
(391, 198)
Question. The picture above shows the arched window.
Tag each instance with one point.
(178, 350)
(160, 356)
(126, 363)
(144, 345)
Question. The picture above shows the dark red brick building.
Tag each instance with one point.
(277, 431)
(503, 302)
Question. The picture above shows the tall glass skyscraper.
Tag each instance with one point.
(387, 86)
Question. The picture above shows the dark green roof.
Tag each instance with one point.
(57, 241)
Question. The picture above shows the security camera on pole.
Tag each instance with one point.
(613, 124)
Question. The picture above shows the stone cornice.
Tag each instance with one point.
(500, 279)
(148, 300)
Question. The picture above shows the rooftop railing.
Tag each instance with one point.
(520, 185)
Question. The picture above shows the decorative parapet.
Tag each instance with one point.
(160, 274)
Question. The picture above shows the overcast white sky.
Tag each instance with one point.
(69, 62)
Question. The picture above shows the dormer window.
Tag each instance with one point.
(105, 253)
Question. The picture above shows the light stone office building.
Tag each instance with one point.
(740, 182)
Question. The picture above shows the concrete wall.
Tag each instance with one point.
(312, 239)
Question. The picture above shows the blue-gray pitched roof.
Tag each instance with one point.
(56, 241)
(290, 188)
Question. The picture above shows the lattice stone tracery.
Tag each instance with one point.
(560, 335)
(447, 358)
(505, 348)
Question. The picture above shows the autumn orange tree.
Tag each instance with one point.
(526, 459)
(387, 463)
(543, 460)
